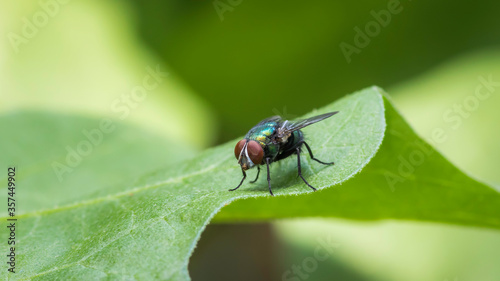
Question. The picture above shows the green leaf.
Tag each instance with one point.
(407, 179)
(146, 227)
(431, 102)
(62, 159)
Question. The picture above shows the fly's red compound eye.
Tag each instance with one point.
(255, 152)
(239, 147)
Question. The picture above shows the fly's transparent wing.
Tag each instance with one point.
(275, 118)
(290, 126)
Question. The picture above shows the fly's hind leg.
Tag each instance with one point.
(315, 159)
(300, 170)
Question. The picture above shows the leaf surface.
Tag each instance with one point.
(145, 225)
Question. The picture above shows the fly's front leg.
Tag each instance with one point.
(300, 170)
(257, 177)
(244, 177)
(269, 176)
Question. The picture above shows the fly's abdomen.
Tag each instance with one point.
(291, 145)
(298, 136)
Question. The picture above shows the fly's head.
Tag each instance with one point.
(249, 153)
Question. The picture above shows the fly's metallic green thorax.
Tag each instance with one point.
(262, 133)
(274, 139)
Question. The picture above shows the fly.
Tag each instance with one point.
(274, 139)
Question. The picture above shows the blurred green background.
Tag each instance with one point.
(233, 63)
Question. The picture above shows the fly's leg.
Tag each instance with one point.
(257, 177)
(269, 177)
(300, 170)
(244, 177)
(315, 159)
